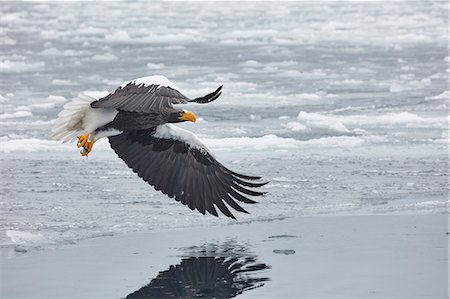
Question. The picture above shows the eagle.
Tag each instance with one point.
(137, 118)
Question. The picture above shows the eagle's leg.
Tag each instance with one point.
(86, 142)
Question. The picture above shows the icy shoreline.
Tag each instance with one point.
(323, 256)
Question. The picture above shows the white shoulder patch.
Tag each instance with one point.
(169, 131)
(152, 80)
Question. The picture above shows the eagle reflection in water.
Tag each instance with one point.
(209, 271)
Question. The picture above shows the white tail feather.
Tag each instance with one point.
(71, 120)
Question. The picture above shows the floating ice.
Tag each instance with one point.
(296, 127)
(155, 66)
(56, 99)
(23, 237)
(62, 82)
(269, 142)
(43, 106)
(405, 84)
(30, 145)
(8, 66)
(339, 122)
(118, 36)
(6, 40)
(316, 120)
(106, 57)
(3, 99)
(52, 52)
(22, 113)
(442, 96)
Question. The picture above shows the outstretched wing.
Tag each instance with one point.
(148, 95)
(175, 162)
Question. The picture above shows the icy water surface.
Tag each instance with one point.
(343, 106)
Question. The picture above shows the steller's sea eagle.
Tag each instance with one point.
(137, 119)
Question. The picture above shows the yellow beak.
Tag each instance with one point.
(189, 116)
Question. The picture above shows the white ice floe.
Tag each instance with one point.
(11, 66)
(350, 82)
(62, 82)
(29, 124)
(312, 98)
(251, 63)
(315, 120)
(13, 18)
(89, 30)
(274, 142)
(56, 52)
(442, 96)
(445, 138)
(56, 99)
(22, 108)
(3, 99)
(43, 106)
(405, 84)
(423, 207)
(24, 237)
(290, 74)
(106, 57)
(296, 127)
(31, 145)
(155, 66)
(341, 123)
(7, 41)
(254, 117)
(118, 36)
(17, 114)
(272, 99)
(154, 37)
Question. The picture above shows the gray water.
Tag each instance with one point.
(343, 106)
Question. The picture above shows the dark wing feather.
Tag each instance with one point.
(209, 97)
(189, 174)
(141, 98)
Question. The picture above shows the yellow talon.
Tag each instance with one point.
(83, 140)
(86, 144)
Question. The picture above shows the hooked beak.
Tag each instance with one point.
(188, 116)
